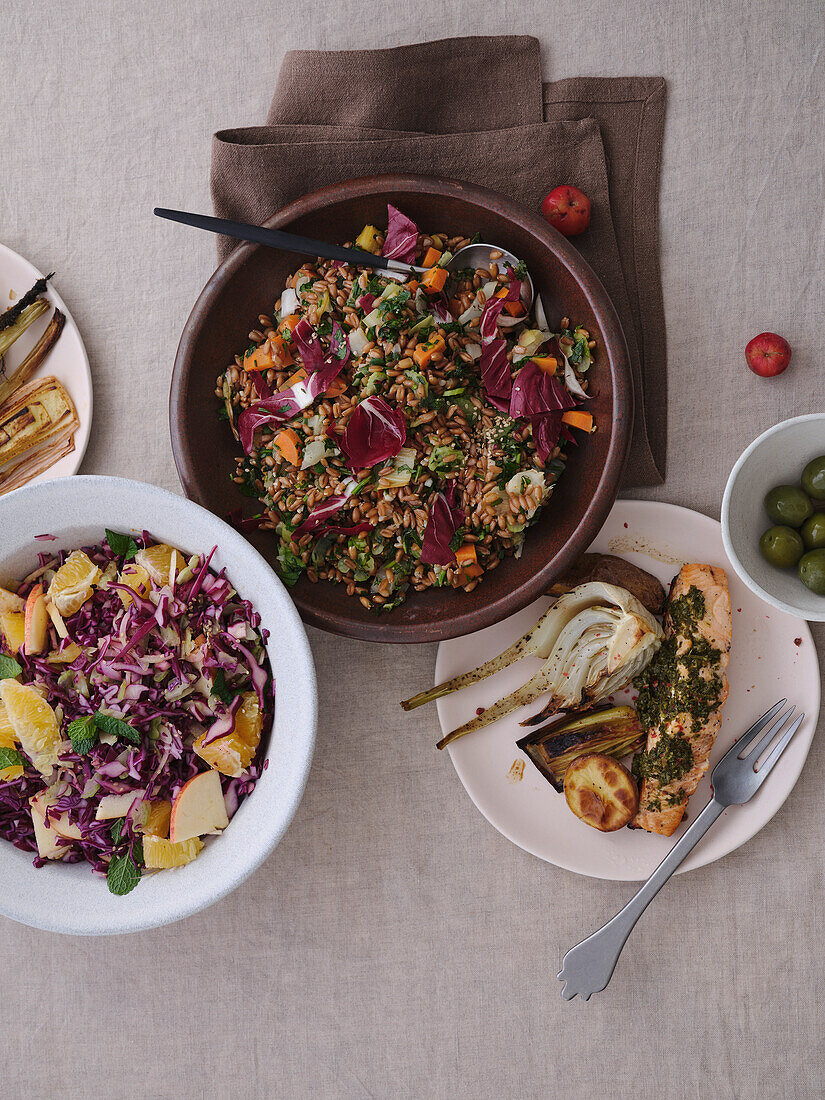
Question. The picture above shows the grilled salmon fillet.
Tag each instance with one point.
(681, 695)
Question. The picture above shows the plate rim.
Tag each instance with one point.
(701, 860)
(85, 429)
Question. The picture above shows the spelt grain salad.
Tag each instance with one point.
(400, 434)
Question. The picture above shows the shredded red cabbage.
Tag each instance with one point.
(171, 664)
(401, 238)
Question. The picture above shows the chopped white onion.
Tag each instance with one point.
(289, 302)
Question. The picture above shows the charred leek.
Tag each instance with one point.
(37, 427)
(614, 731)
(28, 316)
(35, 357)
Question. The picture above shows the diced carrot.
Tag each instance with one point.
(423, 353)
(466, 554)
(515, 309)
(258, 359)
(336, 387)
(433, 280)
(288, 323)
(472, 570)
(431, 257)
(288, 443)
(412, 286)
(299, 376)
(578, 419)
(546, 363)
(281, 355)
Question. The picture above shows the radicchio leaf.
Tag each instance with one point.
(309, 346)
(330, 507)
(375, 432)
(240, 523)
(445, 517)
(283, 405)
(366, 302)
(262, 389)
(401, 238)
(535, 393)
(339, 529)
(547, 430)
(493, 364)
(441, 313)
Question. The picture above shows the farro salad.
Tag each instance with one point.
(134, 688)
(403, 434)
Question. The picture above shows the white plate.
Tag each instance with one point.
(766, 663)
(67, 360)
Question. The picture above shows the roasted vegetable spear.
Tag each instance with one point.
(27, 317)
(12, 314)
(612, 731)
(35, 357)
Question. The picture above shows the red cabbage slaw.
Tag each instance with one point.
(173, 664)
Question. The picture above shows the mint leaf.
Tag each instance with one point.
(123, 874)
(220, 688)
(11, 758)
(83, 734)
(116, 727)
(122, 546)
(114, 832)
(9, 668)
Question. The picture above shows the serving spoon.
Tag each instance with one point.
(472, 255)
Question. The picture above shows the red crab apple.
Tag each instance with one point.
(768, 354)
(567, 209)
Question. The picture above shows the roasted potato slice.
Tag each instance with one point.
(601, 792)
(612, 570)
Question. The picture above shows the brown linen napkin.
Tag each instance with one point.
(339, 115)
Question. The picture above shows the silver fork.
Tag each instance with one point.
(589, 966)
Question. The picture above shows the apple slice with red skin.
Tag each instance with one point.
(768, 354)
(199, 808)
(37, 622)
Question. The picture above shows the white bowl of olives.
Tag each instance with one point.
(773, 516)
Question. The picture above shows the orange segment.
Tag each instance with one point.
(157, 820)
(34, 723)
(161, 562)
(133, 576)
(72, 584)
(231, 755)
(159, 854)
(8, 740)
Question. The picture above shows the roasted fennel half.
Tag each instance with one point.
(592, 642)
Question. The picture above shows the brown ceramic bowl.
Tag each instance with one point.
(248, 283)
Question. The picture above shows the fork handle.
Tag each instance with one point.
(589, 966)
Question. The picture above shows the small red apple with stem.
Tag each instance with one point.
(567, 209)
(768, 354)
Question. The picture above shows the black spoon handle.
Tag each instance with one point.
(276, 238)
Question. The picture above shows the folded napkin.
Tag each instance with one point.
(338, 115)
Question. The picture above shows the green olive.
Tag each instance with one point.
(813, 478)
(782, 547)
(788, 505)
(813, 531)
(812, 571)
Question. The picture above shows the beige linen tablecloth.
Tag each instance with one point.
(395, 945)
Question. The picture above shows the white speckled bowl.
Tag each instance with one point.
(777, 457)
(71, 898)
